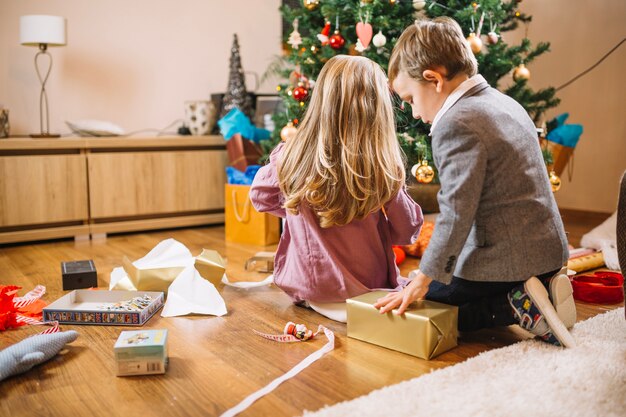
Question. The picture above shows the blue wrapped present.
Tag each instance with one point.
(235, 122)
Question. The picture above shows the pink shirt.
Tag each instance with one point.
(340, 262)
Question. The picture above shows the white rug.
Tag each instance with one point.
(527, 379)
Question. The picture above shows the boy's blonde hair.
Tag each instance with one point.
(345, 161)
(427, 44)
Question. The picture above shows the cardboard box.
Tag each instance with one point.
(102, 307)
(142, 352)
(425, 330)
(79, 274)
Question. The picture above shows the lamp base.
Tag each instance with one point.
(44, 135)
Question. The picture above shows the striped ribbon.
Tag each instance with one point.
(26, 300)
(250, 399)
(30, 297)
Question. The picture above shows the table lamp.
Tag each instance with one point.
(43, 31)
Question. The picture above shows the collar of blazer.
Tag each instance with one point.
(467, 88)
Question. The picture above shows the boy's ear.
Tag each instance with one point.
(434, 77)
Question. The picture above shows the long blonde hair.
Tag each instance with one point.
(344, 161)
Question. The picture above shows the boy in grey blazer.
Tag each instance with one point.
(499, 242)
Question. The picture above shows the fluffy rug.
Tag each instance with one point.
(529, 378)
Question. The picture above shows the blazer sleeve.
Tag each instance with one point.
(405, 218)
(265, 193)
(462, 166)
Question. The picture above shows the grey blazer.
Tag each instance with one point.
(498, 218)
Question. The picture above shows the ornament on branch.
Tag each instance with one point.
(300, 93)
(474, 38)
(555, 181)
(423, 172)
(379, 40)
(521, 73)
(296, 77)
(294, 38)
(288, 132)
(364, 32)
(323, 35)
(475, 43)
(359, 46)
(419, 4)
(311, 5)
(492, 36)
(336, 41)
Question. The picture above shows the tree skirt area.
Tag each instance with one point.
(529, 378)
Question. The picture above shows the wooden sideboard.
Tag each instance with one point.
(81, 187)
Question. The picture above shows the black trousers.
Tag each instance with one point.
(482, 304)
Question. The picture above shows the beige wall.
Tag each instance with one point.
(135, 63)
(580, 33)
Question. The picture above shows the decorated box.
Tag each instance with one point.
(425, 330)
(142, 352)
(115, 308)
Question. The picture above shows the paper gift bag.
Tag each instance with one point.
(425, 330)
(243, 223)
(242, 152)
(560, 155)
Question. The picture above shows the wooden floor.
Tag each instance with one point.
(214, 361)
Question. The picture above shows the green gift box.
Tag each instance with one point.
(425, 330)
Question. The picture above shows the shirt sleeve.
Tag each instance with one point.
(405, 218)
(265, 193)
(462, 166)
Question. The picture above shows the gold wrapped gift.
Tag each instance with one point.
(425, 330)
(210, 265)
(153, 279)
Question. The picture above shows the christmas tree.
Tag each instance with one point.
(371, 28)
(236, 94)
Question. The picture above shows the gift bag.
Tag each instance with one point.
(560, 155)
(243, 223)
(242, 152)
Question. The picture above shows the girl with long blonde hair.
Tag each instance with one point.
(339, 183)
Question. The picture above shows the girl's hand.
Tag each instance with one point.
(416, 290)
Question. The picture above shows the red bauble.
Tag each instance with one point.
(300, 93)
(336, 41)
(400, 254)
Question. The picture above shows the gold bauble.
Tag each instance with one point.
(555, 181)
(366, 1)
(311, 5)
(288, 132)
(475, 43)
(423, 172)
(521, 72)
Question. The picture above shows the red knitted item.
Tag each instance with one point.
(602, 287)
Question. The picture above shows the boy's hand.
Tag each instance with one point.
(416, 290)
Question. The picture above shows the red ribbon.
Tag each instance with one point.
(602, 287)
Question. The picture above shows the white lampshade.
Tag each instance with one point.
(38, 29)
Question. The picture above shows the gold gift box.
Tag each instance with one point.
(153, 279)
(425, 330)
(210, 265)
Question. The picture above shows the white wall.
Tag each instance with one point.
(136, 62)
(133, 62)
(580, 33)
